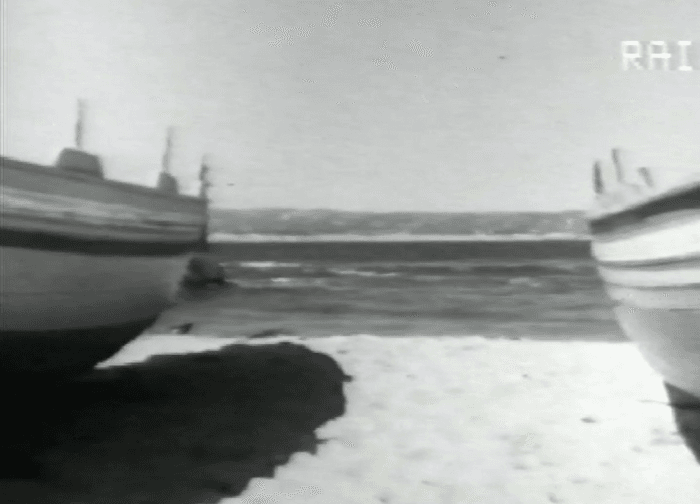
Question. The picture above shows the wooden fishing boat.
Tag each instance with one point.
(86, 263)
(646, 243)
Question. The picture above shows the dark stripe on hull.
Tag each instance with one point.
(630, 217)
(91, 246)
(657, 223)
(668, 299)
(692, 259)
(660, 288)
(64, 352)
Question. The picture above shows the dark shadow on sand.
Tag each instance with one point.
(185, 429)
(686, 413)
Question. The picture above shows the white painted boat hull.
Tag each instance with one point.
(669, 340)
(45, 291)
(648, 253)
(658, 307)
(86, 264)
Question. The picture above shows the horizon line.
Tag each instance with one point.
(223, 237)
(297, 209)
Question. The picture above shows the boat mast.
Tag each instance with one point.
(598, 178)
(204, 179)
(166, 182)
(204, 195)
(168, 150)
(619, 168)
(646, 175)
(79, 125)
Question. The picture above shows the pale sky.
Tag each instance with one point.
(378, 105)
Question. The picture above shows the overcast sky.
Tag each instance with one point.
(364, 105)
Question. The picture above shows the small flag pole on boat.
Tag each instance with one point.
(203, 194)
(619, 168)
(598, 178)
(204, 178)
(166, 182)
(646, 175)
(79, 125)
(168, 150)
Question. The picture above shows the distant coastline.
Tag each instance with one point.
(290, 225)
(266, 238)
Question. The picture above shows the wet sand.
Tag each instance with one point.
(448, 420)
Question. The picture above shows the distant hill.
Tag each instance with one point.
(306, 223)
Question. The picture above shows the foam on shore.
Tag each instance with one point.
(457, 420)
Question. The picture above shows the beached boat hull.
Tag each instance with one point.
(669, 340)
(54, 290)
(647, 249)
(86, 264)
(664, 321)
(658, 307)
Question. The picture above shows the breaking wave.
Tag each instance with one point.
(417, 270)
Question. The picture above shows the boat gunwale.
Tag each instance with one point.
(603, 223)
(692, 285)
(597, 213)
(649, 263)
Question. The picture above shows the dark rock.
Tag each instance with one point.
(271, 333)
(182, 328)
(203, 271)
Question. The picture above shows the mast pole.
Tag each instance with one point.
(168, 150)
(80, 124)
(204, 178)
(646, 175)
(204, 195)
(598, 178)
(619, 168)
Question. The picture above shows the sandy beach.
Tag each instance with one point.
(471, 420)
(355, 420)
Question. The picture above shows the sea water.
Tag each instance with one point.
(533, 289)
